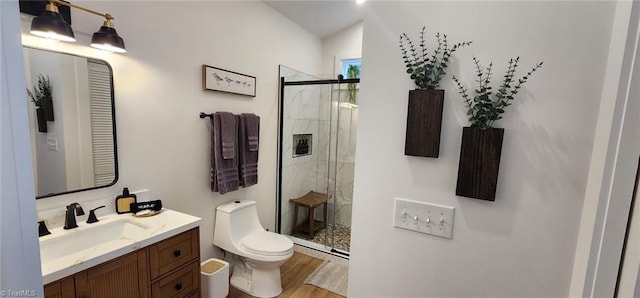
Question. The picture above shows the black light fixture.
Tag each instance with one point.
(107, 38)
(50, 24)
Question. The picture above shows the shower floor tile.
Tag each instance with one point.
(341, 236)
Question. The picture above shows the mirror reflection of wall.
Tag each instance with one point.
(78, 151)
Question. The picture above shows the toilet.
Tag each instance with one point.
(257, 254)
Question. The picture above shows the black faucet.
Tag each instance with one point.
(42, 229)
(92, 215)
(70, 216)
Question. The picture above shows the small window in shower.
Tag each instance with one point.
(353, 63)
(302, 144)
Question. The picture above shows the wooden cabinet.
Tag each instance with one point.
(63, 288)
(125, 276)
(175, 266)
(169, 268)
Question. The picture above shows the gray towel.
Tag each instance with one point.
(253, 131)
(228, 134)
(248, 157)
(224, 172)
(213, 177)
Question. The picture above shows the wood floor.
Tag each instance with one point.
(293, 274)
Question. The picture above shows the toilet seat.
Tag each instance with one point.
(267, 244)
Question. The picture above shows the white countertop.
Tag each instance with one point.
(74, 250)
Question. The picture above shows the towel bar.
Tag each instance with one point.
(205, 115)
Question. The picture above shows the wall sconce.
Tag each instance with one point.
(50, 24)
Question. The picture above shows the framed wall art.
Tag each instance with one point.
(218, 79)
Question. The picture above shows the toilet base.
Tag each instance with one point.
(256, 279)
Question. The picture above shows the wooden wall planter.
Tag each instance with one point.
(479, 163)
(424, 121)
(48, 109)
(42, 120)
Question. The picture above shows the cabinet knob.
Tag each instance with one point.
(177, 253)
(178, 286)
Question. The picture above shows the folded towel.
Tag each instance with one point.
(228, 134)
(225, 176)
(248, 157)
(253, 131)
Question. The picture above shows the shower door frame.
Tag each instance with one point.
(330, 195)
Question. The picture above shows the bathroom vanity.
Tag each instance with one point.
(160, 258)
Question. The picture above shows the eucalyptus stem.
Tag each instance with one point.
(426, 70)
(486, 107)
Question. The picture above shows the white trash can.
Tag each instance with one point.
(214, 275)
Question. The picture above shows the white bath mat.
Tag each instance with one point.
(330, 276)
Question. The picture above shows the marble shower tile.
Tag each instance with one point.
(343, 213)
(286, 219)
(302, 102)
(344, 180)
(325, 103)
(298, 180)
(323, 140)
(347, 135)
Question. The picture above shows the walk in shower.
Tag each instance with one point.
(317, 141)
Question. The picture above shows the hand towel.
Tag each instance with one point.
(228, 134)
(253, 131)
(225, 174)
(248, 157)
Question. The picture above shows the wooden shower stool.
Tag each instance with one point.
(311, 201)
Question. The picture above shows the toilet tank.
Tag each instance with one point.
(235, 220)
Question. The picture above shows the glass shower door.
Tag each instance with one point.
(342, 143)
(317, 146)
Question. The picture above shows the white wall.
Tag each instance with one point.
(597, 179)
(345, 44)
(19, 255)
(162, 144)
(522, 244)
(613, 165)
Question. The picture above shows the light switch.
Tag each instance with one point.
(432, 219)
(52, 144)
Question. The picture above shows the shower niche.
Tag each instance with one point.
(302, 144)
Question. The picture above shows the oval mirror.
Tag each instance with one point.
(72, 122)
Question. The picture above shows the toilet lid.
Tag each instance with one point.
(267, 243)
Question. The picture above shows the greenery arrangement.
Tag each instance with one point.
(41, 92)
(486, 107)
(353, 72)
(426, 69)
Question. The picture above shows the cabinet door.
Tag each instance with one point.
(174, 252)
(124, 277)
(180, 283)
(60, 289)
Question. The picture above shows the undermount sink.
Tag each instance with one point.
(77, 243)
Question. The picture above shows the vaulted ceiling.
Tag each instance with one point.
(322, 18)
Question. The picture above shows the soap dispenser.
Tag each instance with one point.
(123, 201)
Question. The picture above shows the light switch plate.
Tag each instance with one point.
(52, 144)
(421, 217)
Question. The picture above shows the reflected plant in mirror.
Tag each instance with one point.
(78, 150)
(42, 96)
